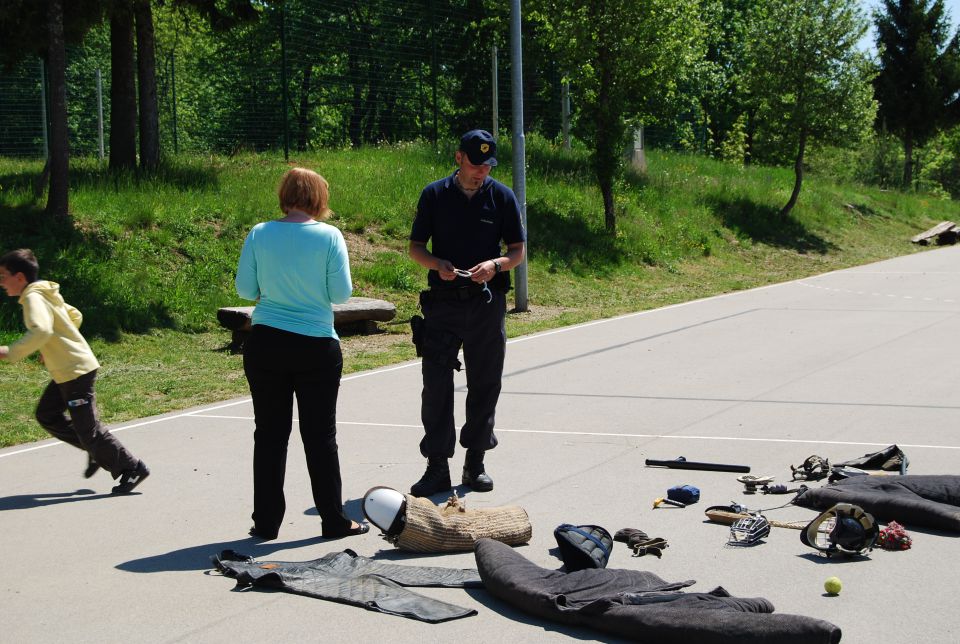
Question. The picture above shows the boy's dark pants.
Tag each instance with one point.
(82, 428)
(278, 365)
(479, 328)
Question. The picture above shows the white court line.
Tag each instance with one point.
(525, 338)
(405, 365)
(132, 425)
(846, 290)
(576, 433)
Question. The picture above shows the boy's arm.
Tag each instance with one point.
(75, 315)
(39, 322)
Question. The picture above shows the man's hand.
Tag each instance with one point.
(483, 272)
(420, 254)
(446, 269)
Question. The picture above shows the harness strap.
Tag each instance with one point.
(584, 533)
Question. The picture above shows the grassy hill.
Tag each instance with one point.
(150, 261)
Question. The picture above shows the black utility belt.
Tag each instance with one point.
(458, 293)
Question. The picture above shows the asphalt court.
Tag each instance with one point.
(836, 365)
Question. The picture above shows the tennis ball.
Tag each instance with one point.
(832, 585)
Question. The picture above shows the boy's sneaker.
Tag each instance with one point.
(92, 467)
(130, 479)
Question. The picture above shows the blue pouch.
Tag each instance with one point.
(685, 494)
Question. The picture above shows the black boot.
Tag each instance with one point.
(435, 479)
(474, 474)
(92, 467)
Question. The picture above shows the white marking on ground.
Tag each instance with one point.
(847, 290)
(614, 434)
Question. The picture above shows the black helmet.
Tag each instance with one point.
(583, 546)
(848, 533)
(843, 529)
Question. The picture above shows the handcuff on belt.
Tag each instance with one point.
(486, 289)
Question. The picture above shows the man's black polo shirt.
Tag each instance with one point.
(467, 231)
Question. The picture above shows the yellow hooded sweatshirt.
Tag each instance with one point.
(53, 328)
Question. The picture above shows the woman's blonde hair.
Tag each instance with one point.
(302, 189)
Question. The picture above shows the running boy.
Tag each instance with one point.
(53, 329)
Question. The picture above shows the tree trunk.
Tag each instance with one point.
(356, 103)
(609, 211)
(147, 77)
(370, 107)
(907, 162)
(607, 152)
(303, 113)
(59, 154)
(123, 97)
(748, 143)
(798, 173)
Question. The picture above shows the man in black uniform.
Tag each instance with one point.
(467, 216)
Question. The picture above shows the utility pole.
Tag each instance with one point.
(519, 143)
(100, 112)
(495, 86)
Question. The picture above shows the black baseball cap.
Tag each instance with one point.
(479, 147)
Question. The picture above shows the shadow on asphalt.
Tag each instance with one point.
(39, 499)
(507, 611)
(198, 557)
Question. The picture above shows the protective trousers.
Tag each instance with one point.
(479, 327)
(348, 578)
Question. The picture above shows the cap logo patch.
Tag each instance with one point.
(484, 147)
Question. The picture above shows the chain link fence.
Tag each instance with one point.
(317, 74)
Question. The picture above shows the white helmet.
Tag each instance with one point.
(385, 508)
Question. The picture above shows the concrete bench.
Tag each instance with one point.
(356, 315)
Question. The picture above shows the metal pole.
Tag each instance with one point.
(43, 109)
(173, 92)
(283, 81)
(565, 113)
(100, 112)
(434, 62)
(519, 149)
(495, 84)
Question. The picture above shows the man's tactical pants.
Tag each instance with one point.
(455, 319)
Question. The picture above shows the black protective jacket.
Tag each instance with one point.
(921, 501)
(641, 606)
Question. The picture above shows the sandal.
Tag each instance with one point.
(362, 528)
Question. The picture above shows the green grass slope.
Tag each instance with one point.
(149, 261)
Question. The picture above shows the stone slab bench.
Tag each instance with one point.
(356, 315)
(946, 232)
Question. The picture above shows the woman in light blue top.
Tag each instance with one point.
(296, 268)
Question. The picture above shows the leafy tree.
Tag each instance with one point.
(728, 105)
(147, 85)
(808, 76)
(42, 28)
(918, 86)
(123, 88)
(59, 159)
(24, 26)
(626, 58)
